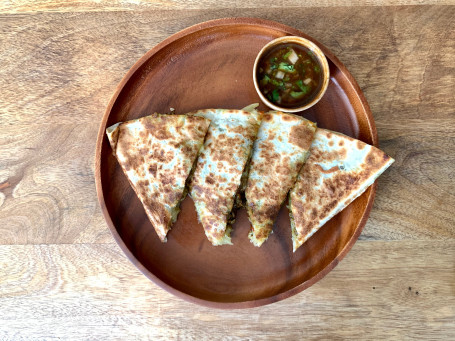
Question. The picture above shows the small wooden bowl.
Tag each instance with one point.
(317, 53)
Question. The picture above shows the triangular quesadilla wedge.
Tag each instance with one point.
(338, 170)
(218, 173)
(279, 152)
(157, 153)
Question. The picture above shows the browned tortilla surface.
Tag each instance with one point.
(279, 153)
(156, 154)
(338, 170)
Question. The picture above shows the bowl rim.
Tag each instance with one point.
(101, 139)
(318, 53)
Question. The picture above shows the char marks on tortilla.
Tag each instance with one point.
(156, 154)
(279, 153)
(338, 170)
(219, 169)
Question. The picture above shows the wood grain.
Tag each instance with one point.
(403, 65)
(382, 290)
(60, 70)
(48, 186)
(26, 6)
(61, 62)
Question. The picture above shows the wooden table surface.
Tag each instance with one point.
(62, 276)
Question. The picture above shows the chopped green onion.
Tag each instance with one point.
(305, 88)
(277, 83)
(317, 69)
(286, 67)
(275, 95)
(287, 55)
(265, 80)
(295, 94)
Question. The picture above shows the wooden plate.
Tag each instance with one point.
(210, 66)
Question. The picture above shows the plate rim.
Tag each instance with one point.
(101, 139)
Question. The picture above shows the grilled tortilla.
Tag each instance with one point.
(338, 170)
(279, 152)
(157, 153)
(219, 169)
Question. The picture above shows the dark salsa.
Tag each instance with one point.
(289, 75)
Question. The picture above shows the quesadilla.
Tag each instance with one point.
(279, 152)
(338, 170)
(157, 153)
(218, 173)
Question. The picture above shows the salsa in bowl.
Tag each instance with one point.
(290, 74)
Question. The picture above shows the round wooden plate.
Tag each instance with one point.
(210, 66)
